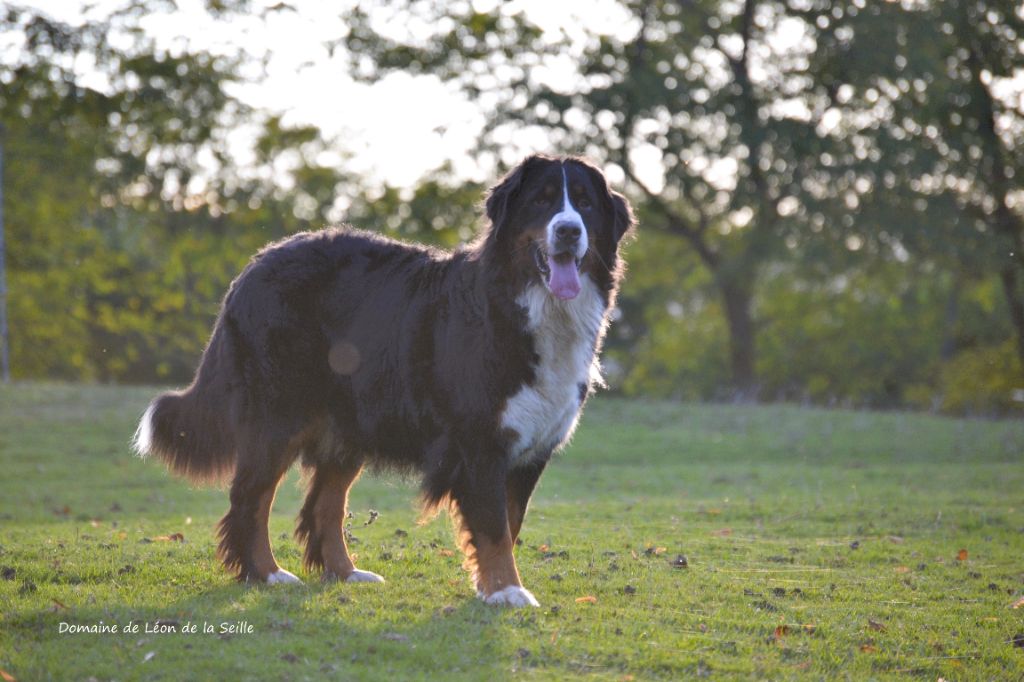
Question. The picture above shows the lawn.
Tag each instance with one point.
(671, 541)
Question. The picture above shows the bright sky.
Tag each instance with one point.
(396, 130)
(400, 129)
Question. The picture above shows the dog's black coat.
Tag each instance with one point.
(342, 347)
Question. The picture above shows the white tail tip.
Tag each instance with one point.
(142, 441)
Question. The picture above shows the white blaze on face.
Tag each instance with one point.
(568, 215)
(563, 278)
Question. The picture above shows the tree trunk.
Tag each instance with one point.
(1014, 301)
(742, 350)
(952, 315)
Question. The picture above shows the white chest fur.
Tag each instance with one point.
(566, 335)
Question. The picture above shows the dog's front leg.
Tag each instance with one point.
(484, 535)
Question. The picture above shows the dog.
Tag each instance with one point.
(345, 349)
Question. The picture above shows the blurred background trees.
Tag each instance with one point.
(827, 190)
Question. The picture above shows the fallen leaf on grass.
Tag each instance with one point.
(58, 605)
(902, 569)
(724, 532)
(868, 648)
(7, 677)
(896, 539)
(961, 555)
(589, 599)
(655, 551)
(875, 625)
(1017, 604)
(173, 537)
(445, 552)
(543, 548)
(780, 632)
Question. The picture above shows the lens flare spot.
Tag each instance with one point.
(344, 358)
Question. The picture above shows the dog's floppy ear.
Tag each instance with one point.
(499, 197)
(625, 220)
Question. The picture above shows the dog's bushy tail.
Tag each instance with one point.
(190, 430)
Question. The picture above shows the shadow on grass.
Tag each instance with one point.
(276, 631)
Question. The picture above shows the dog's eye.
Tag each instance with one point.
(584, 204)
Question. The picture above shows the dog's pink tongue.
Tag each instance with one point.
(565, 279)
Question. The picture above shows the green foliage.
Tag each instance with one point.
(866, 251)
(446, 213)
(983, 381)
(801, 528)
(831, 190)
(121, 237)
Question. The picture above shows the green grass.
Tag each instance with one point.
(821, 544)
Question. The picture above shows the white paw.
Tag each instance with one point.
(281, 576)
(358, 576)
(513, 595)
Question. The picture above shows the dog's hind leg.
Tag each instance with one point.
(244, 533)
(321, 523)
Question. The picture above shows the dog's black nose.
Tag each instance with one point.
(568, 232)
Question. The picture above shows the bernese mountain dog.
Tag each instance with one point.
(344, 349)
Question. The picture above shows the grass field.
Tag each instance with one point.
(819, 544)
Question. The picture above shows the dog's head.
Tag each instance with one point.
(558, 219)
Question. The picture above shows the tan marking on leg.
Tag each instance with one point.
(495, 565)
(262, 554)
(329, 514)
(492, 566)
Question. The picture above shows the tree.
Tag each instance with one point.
(982, 47)
(727, 111)
(127, 215)
(929, 88)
